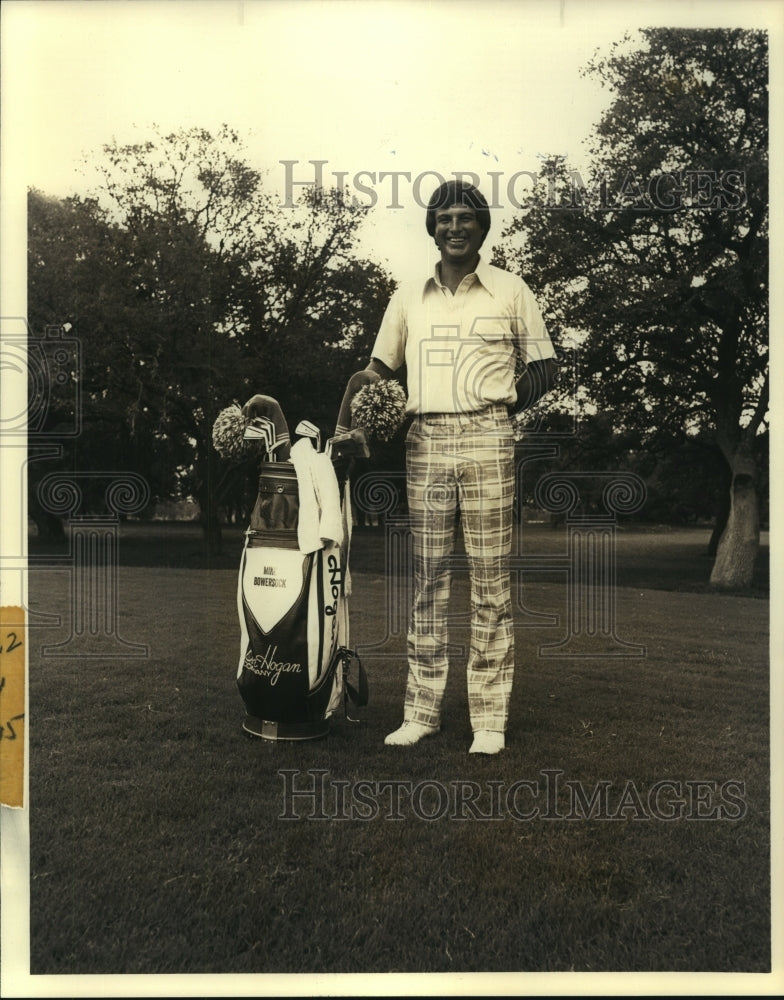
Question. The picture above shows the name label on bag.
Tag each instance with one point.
(265, 665)
(270, 580)
(272, 583)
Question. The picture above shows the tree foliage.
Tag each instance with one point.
(189, 288)
(657, 261)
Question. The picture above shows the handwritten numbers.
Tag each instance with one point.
(12, 707)
(10, 643)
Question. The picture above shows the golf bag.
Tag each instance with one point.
(292, 605)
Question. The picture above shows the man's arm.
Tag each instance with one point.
(375, 370)
(380, 368)
(536, 380)
(389, 342)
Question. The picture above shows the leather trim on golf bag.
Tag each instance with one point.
(292, 621)
(293, 612)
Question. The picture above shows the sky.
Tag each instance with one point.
(369, 86)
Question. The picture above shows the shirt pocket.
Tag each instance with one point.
(492, 330)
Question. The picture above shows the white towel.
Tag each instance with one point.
(320, 515)
(328, 493)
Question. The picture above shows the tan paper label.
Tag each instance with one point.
(12, 706)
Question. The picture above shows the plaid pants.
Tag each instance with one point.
(461, 462)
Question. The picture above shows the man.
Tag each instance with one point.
(464, 336)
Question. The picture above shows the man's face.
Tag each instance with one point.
(458, 235)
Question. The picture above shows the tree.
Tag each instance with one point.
(76, 286)
(189, 288)
(313, 307)
(658, 263)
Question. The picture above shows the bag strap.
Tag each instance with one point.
(357, 695)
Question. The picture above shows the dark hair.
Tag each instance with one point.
(457, 193)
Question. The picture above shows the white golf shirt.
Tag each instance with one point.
(461, 350)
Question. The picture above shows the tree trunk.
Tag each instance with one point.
(50, 527)
(208, 510)
(723, 512)
(739, 545)
(212, 532)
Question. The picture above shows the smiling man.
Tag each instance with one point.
(476, 349)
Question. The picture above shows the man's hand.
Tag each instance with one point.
(376, 369)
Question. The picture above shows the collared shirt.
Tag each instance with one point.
(461, 350)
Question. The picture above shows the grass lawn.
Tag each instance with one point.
(625, 828)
